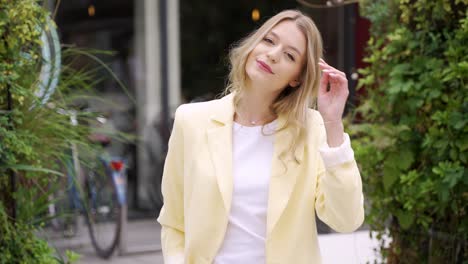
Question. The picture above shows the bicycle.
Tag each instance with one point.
(104, 196)
(96, 191)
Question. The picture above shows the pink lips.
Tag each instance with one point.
(264, 66)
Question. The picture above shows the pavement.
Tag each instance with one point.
(142, 245)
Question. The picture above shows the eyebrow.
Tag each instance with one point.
(289, 46)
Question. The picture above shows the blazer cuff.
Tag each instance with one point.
(337, 155)
(175, 259)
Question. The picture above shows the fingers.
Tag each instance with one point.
(330, 69)
(327, 68)
(333, 76)
(336, 78)
(324, 82)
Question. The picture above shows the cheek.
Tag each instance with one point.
(291, 71)
(258, 50)
(296, 71)
(252, 54)
(250, 63)
(251, 58)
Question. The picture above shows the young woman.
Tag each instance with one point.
(245, 174)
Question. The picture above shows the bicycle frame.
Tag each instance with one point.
(118, 167)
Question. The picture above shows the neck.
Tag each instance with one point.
(254, 107)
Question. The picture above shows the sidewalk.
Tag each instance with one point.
(143, 240)
(143, 244)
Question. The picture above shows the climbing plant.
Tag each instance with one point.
(36, 135)
(411, 129)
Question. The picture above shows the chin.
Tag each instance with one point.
(257, 75)
(257, 78)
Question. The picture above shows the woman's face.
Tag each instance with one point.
(278, 58)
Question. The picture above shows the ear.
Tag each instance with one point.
(294, 83)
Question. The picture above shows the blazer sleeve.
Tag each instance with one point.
(339, 200)
(171, 216)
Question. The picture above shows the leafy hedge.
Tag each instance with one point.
(411, 128)
(19, 244)
(34, 140)
(21, 25)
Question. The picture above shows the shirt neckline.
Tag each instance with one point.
(269, 127)
(267, 124)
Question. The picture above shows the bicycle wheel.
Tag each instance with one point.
(102, 209)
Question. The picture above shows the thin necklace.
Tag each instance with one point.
(252, 122)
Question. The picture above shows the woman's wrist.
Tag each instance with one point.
(333, 121)
(335, 131)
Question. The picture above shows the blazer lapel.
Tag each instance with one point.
(284, 172)
(283, 177)
(219, 138)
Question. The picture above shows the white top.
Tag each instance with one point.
(244, 241)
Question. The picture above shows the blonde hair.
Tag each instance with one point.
(292, 103)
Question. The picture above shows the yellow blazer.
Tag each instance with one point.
(197, 189)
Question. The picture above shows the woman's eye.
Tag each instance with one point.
(268, 40)
(291, 57)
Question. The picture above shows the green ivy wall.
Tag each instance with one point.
(411, 128)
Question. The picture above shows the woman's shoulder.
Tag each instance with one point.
(198, 110)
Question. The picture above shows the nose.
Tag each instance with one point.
(273, 55)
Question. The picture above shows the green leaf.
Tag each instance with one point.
(453, 175)
(21, 167)
(406, 158)
(72, 256)
(462, 143)
(443, 193)
(453, 153)
(2, 46)
(405, 218)
(390, 176)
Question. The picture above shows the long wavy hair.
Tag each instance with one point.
(291, 103)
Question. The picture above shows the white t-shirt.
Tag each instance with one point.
(244, 241)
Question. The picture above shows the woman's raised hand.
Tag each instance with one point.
(331, 101)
